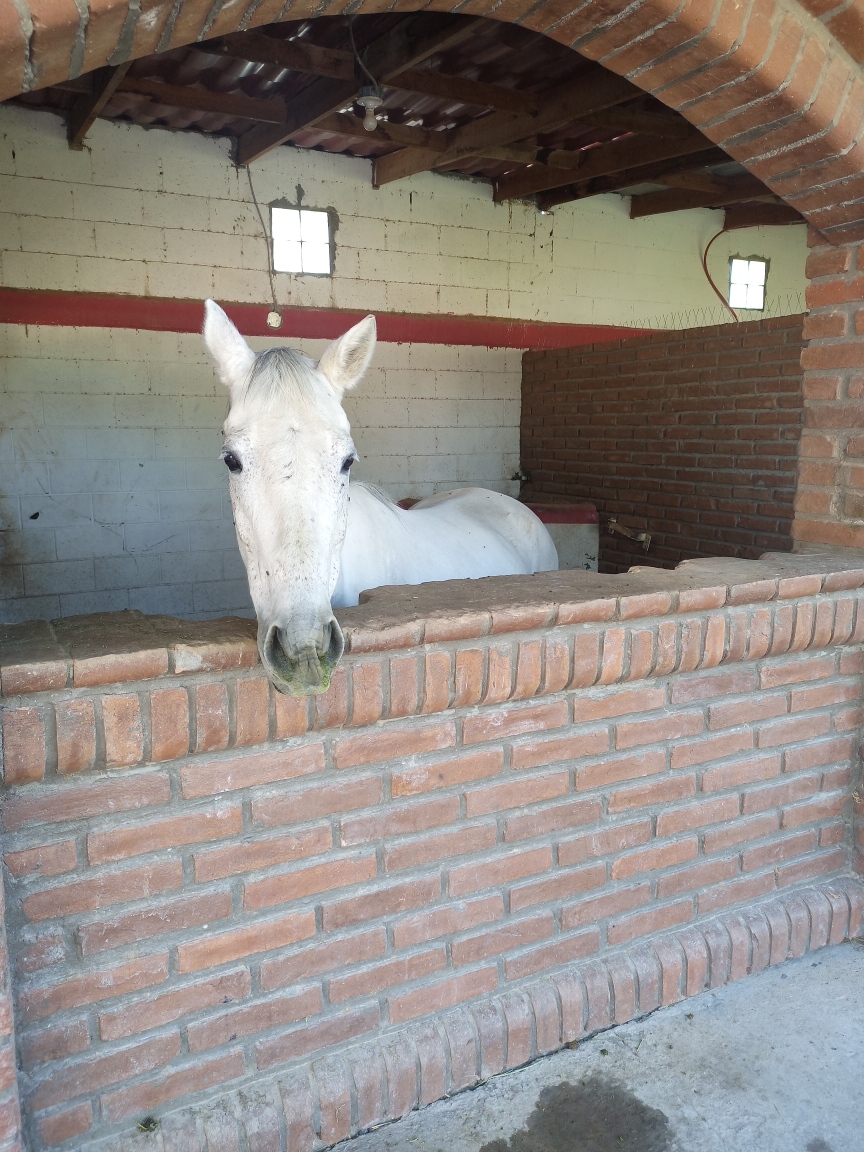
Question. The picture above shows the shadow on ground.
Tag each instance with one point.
(594, 1115)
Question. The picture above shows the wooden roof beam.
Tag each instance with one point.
(645, 174)
(761, 215)
(405, 45)
(603, 160)
(593, 91)
(682, 199)
(89, 105)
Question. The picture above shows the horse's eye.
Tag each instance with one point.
(346, 464)
(232, 463)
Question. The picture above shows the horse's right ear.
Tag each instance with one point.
(346, 359)
(232, 354)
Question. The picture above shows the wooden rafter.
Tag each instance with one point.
(408, 43)
(233, 104)
(646, 174)
(602, 160)
(730, 191)
(645, 123)
(89, 105)
(752, 215)
(593, 91)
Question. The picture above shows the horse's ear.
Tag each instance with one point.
(346, 359)
(232, 354)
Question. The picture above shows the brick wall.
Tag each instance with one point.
(691, 436)
(495, 792)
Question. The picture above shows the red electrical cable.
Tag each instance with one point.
(720, 295)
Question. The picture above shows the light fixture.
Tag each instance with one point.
(370, 99)
(274, 319)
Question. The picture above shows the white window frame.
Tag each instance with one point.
(748, 281)
(288, 252)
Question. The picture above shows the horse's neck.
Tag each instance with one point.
(370, 545)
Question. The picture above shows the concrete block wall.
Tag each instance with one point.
(112, 493)
(691, 436)
(220, 895)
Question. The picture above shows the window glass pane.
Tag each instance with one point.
(756, 273)
(739, 271)
(285, 223)
(738, 295)
(286, 256)
(316, 258)
(755, 296)
(314, 227)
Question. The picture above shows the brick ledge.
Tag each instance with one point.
(345, 1093)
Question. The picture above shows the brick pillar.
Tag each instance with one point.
(829, 508)
(10, 1110)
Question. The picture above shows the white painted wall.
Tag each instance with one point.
(112, 436)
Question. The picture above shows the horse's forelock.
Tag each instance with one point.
(281, 373)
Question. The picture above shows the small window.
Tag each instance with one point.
(301, 241)
(747, 282)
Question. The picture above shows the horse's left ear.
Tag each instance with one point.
(346, 359)
(232, 354)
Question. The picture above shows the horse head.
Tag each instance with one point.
(288, 448)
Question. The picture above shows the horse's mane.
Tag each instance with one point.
(281, 372)
(378, 493)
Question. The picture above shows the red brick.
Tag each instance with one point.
(586, 655)
(23, 746)
(822, 808)
(740, 832)
(708, 748)
(47, 949)
(291, 716)
(730, 714)
(519, 794)
(576, 747)
(468, 681)
(712, 685)
(330, 709)
(124, 842)
(758, 799)
(802, 669)
(697, 815)
(470, 878)
(667, 727)
(366, 692)
(618, 702)
(460, 769)
(294, 1043)
(434, 997)
(597, 908)
(604, 842)
(657, 792)
(499, 675)
(124, 734)
(91, 987)
(211, 717)
(147, 1095)
(54, 1043)
(822, 865)
(392, 744)
(404, 686)
(87, 1076)
(529, 668)
(208, 777)
(169, 723)
(436, 682)
(516, 721)
(251, 939)
(657, 856)
(303, 882)
(505, 938)
(43, 860)
(699, 876)
(67, 1123)
(115, 667)
(793, 729)
(647, 923)
(400, 820)
(555, 818)
(740, 772)
(444, 846)
(304, 963)
(252, 711)
(457, 916)
(402, 970)
(616, 768)
(144, 924)
(563, 950)
(247, 1019)
(297, 806)
(779, 850)
(386, 901)
(264, 852)
(818, 753)
(103, 890)
(557, 886)
(76, 735)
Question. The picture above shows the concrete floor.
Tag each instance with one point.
(771, 1064)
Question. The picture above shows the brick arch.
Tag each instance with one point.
(771, 83)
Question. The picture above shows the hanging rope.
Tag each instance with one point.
(708, 276)
(268, 245)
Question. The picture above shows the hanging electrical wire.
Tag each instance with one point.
(710, 279)
(369, 97)
(274, 318)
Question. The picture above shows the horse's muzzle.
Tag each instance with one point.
(301, 669)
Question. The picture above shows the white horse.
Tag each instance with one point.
(312, 542)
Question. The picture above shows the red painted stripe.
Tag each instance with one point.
(82, 310)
